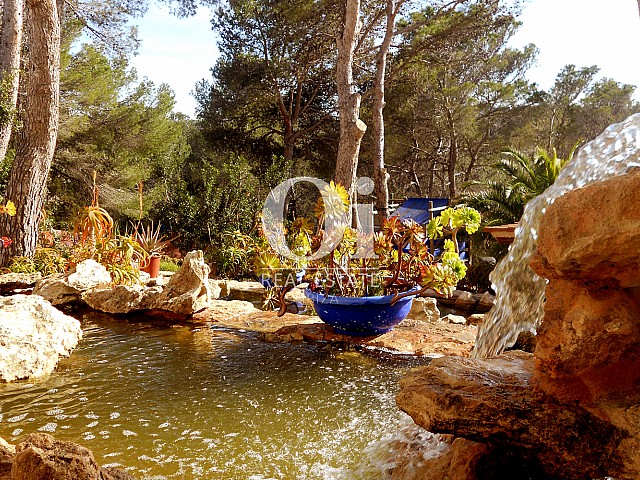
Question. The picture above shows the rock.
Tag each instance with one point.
(68, 287)
(424, 309)
(451, 318)
(247, 291)
(7, 452)
(465, 301)
(42, 457)
(475, 319)
(592, 233)
(526, 342)
(493, 401)
(409, 337)
(122, 299)
(219, 288)
(15, 281)
(450, 458)
(188, 291)
(226, 310)
(485, 302)
(33, 336)
(574, 405)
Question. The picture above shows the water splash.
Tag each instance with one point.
(519, 291)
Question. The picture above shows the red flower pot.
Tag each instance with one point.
(152, 266)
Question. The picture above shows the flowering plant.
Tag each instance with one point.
(396, 260)
(10, 209)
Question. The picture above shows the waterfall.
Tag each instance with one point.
(519, 291)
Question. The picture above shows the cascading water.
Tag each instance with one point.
(519, 291)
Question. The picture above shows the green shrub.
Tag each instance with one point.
(168, 264)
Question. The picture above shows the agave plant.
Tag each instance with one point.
(150, 239)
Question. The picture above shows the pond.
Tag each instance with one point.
(194, 401)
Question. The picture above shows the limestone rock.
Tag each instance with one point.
(122, 299)
(451, 318)
(589, 342)
(424, 309)
(219, 288)
(465, 301)
(450, 458)
(247, 291)
(42, 457)
(492, 401)
(188, 289)
(485, 302)
(7, 452)
(68, 287)
(14, 281)
(475, 319)
(592, 233)
(33, 336)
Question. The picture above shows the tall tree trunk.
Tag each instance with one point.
(10, 46)
(28, 176)
(380, 176)
(351, 127)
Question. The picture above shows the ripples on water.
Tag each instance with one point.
(520, 292)
(195, 402)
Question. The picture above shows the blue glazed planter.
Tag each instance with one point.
(360, 316)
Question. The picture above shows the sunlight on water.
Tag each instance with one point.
(519, 291)
(194, 402)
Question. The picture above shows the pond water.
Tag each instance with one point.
(199, 402)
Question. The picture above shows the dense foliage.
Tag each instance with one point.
(456, 98)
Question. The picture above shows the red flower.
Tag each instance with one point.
(6, 241)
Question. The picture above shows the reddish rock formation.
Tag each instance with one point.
(42, 457)
(573, 408)
(492, 401)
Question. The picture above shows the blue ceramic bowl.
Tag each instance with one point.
(360, 316)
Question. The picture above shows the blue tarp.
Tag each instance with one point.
(417, 209)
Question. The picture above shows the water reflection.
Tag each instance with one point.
(196, 402)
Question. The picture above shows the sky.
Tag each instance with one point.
(606, 33)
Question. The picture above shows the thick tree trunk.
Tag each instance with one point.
(10, 47)
(351, 127)
(30, 170)
(380, 176)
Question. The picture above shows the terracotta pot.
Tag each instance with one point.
(152, 266)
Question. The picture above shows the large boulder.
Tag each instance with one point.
(33, 336)
(42, 457)
(68, 287)
(122, 299)
(591, 234)
(188, 291)
(574, 405)
(492, 401)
